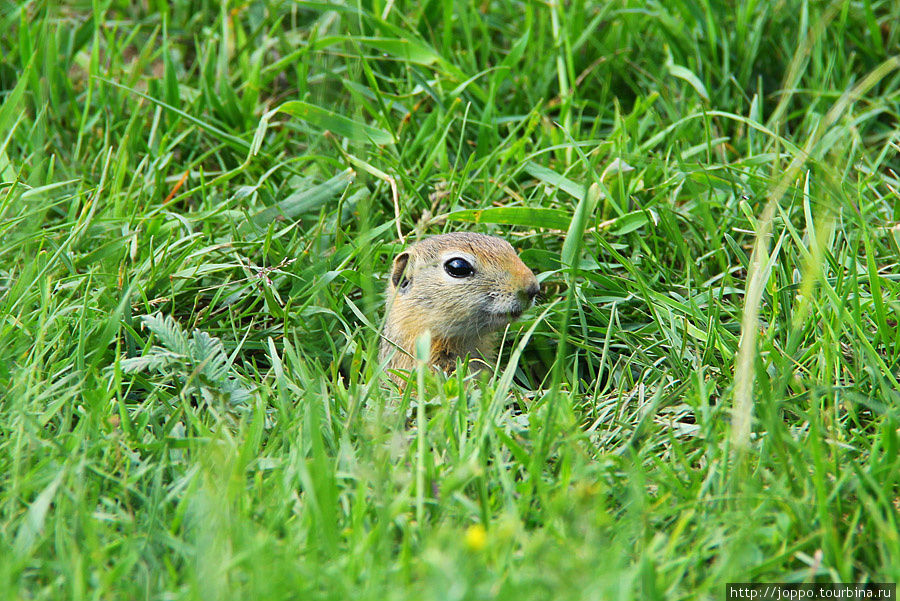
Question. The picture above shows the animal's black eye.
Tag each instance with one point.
(459, 268)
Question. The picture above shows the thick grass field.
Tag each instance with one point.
(199, 202)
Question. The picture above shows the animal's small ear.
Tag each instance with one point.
(398, 277)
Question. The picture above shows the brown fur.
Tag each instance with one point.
(462, 314)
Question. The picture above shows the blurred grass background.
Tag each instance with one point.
(198, 201)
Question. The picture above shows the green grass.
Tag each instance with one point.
(196, 213)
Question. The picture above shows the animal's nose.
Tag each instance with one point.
(533, 290)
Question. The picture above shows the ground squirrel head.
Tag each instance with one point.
(460, 286)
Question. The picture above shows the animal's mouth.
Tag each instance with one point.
(501, 318)
(497, 315)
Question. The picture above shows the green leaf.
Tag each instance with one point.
(335, 123)
(552, 178)
(155, 359)
(35, 516)
(209, 353)
(688, 76)
(527, 216)
(572, 243)
(304, 201)
(413, 51)
(10, 111)
(168, 331)
(630, 222)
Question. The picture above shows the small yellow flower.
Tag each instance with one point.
(476, 537)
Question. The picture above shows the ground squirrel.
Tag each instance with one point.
(463, 287)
